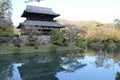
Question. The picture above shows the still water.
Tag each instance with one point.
(90, 64)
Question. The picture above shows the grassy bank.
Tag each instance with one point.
(8, 49)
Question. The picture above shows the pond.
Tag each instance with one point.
(90, 64)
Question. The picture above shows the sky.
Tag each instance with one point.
(104, 11)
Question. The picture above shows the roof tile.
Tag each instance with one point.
(42, 24)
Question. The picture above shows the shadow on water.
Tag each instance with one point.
(46, 66)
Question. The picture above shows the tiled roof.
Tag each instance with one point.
(42, 10)
(42, 24)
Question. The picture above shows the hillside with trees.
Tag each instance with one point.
(94, 32)
(84, 25)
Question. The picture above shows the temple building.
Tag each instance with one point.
(39, 21)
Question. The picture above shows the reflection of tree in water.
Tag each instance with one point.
(6, 71)
(106, 56)
(104, 59)
(7, 66)
(117, 56)
(72, 62)
(117, 76)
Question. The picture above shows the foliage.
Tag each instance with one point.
(5, 13)
(117, 76)
(6, 32)
(106, 34)
(66, 36)
(56, 37)
(17, 45)
(31, 41)
(84, 25)
(102, 34)
(115, 35)
(36, 47)
(53, 48)
(6, 28)
(87, 28)
(80, 41)
(16, 50)
(117, 24)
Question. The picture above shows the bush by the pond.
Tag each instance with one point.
(31, 41)
(56, 37)
(53, 48)
(80, 41)
(59, 37)
(6, 32)
(118, 43)
(36, 47)
(16, 50)
(17, 45)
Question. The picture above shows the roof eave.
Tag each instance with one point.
(19, 26)
(52, 25)
(26, 12)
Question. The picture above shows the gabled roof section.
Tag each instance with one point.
(41, 24)
(39, 10)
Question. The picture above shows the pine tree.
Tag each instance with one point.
(117, 24)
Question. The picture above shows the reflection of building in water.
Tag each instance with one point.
(43, 71)
(45, 66)
(40, 68)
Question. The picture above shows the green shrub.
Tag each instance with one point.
(16, 50)
(110, 40)
(17, 45)
(80, 41)
(31, 41)
(56, 37)
(90, 39)
(36, 47)
(53, 48)
(6, 32)
(118, 43)
(65, 42)
(60, 38)
(96, 40)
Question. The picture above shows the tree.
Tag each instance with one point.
(6, 28)
(59, 37)
(6, 32)
(5, 13)
(56, 37)
(117, 24)
(31, 40)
